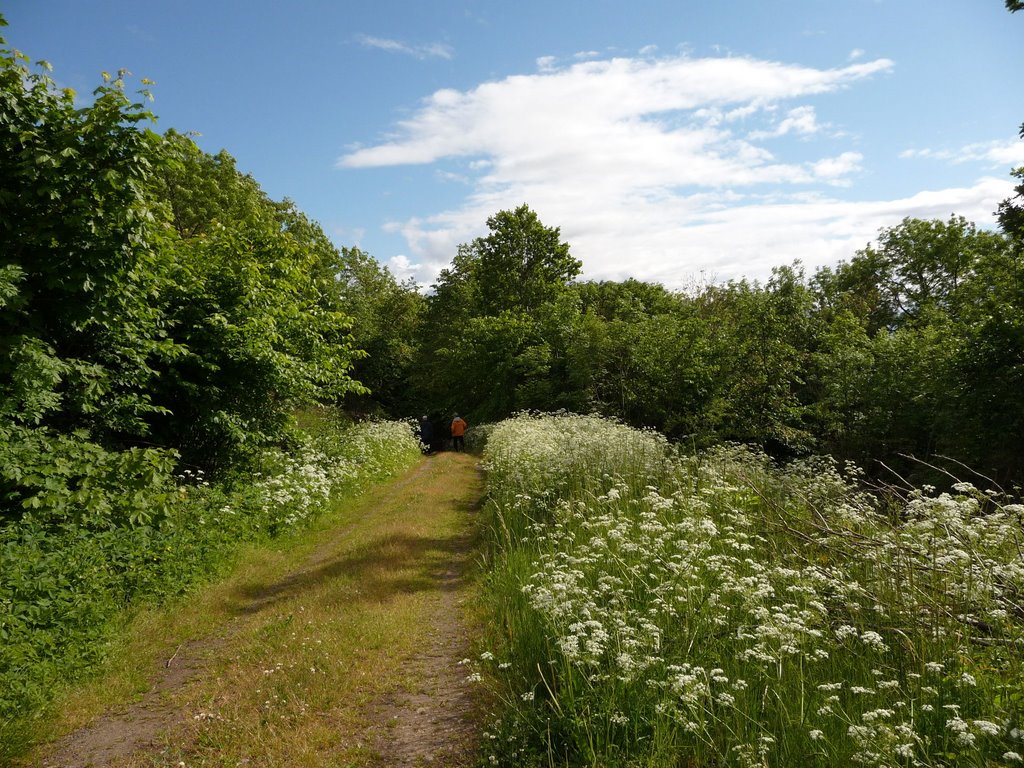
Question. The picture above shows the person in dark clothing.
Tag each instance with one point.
(426, 434)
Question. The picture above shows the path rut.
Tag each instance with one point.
(401, 702)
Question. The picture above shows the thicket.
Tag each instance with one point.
(658, 608)
(161, 320)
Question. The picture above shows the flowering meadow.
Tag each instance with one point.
(653, 608)
(63, 582)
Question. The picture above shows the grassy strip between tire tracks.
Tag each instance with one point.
(295, 648)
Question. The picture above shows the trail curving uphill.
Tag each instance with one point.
(349, 658)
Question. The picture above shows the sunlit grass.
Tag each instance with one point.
(297, 491)
(308, 635)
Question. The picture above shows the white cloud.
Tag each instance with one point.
(855, 54)
(619, 108)
(996, 153)
(423, 51)
(676, 239)
(402, 268)
(546, 63)
(641, 163)
(802, 121)
(837, 168)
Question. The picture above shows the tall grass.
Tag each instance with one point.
(63, 586)
(655, 609)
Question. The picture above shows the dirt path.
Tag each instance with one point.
(351, 658)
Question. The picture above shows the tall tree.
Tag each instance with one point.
(486, 347)
(762, 337)
(254, 302)
(521, 264)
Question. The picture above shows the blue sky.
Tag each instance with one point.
(681, 142)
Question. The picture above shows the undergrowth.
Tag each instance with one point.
(657, 609)
(65, 583)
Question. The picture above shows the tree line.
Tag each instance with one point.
(159, 311)
(912, 347)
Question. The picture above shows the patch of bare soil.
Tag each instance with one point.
(436, 719)
(118, 735)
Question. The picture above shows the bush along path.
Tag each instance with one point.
(344, 650)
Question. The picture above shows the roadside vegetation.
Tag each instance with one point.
(162, 322)
(308, 652)
(66, 585)
(651, 606)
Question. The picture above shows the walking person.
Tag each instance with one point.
(426, 435)
(458, 433)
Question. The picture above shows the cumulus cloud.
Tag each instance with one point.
(629, 107)
(655, 168)
(676, 240)
(423, 51)
(403, 268)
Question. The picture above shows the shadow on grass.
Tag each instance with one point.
(382, 570)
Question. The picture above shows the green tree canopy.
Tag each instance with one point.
(485, 347)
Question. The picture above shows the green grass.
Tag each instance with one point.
(319, 628)
(68, 592)
(651, 609)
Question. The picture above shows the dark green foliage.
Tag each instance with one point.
(921, 333)
(155, 307)
(496, 332)
(254, 305)
(762, 338)
(385, 317)
(81, 332)
(627, 300)
(1011, 211)
(81, 264)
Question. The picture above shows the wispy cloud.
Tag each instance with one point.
(997, 153)
(802, 121)
(656, 168)
(421, 51)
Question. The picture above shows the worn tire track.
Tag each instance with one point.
(408, 543)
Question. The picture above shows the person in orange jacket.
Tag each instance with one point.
(458, 433)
